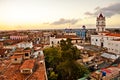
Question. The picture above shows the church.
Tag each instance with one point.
(105, 39)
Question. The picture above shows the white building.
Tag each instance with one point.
(25, 45)
(107, 40)
(114, 46)
(56, 39)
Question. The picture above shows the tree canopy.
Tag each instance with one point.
(62, 60)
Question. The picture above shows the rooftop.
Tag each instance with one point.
(67, 36)
(29, 64)
(113, 34)
(101, 15)
(16, 56)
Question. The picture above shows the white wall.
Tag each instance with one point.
(114, 47)
(55, 40)
(96, 40)
(25, 45)
(108, 42)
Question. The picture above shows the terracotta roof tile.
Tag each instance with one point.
(29, 64)
(113, 34)
(67, 36)
(16, 56)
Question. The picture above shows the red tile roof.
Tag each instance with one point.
(16, 56)
(29, 64)
(67, 36)
(113, 34)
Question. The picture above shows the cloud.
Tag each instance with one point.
(88, 13)
(108, 11)
(65, 21)
(97, 8)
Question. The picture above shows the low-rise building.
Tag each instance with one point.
(109, 73)
(27, 67)
(56, 39)
(25, 45)
(27, 54)
(107, 40)
(113, 46)
(19, 37)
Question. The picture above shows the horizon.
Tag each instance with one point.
(45, 14)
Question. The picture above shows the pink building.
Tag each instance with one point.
(18, 37)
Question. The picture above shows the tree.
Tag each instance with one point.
(65, 45)
(53, 76)
(63, 61)
(71, 70)
(52, 56)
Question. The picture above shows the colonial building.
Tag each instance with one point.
(56, 39)
(100, 23)
(107, 40)
(19, 37)
(25, 45)
(113, 46)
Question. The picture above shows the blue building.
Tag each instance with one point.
(82, 32)
(79, 32)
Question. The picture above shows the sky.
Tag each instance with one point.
(57, 14)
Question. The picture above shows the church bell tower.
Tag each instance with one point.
(100, 23)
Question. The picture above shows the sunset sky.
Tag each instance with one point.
(57, 14)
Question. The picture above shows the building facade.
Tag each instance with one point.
(107, 40)
(56, 39)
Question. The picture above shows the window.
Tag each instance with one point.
(98, 28)
(15, 59)
(52, 42)
(38, 53)
(76, 41)
(26, 54)
(116, 50)
(96, 40)
(102, 29)
(98, 23)
(107, 38)
(2, 56)
(26, 71)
